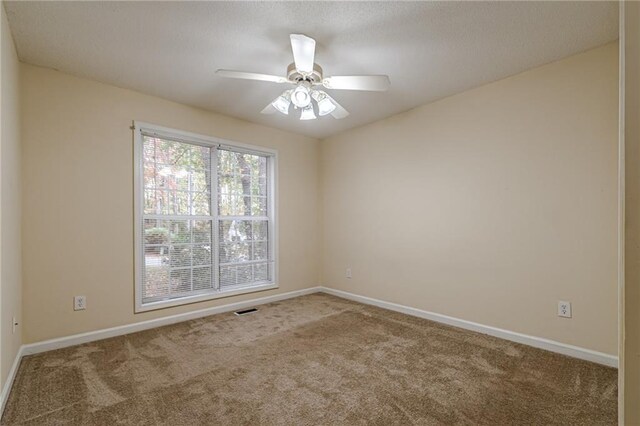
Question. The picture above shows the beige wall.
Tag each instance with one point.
(10, 193)
(78, 192)
(632, 214)
(490, 205)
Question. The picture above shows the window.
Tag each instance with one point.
(204, 218)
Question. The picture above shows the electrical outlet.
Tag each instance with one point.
(348, 273)
(564, 309)
(79, 303)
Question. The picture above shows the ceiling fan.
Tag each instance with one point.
(307, 77)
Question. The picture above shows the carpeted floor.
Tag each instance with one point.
(317, 360)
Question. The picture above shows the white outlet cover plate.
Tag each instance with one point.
(564, 309)
(79, 303)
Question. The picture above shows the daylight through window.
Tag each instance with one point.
(205, 218)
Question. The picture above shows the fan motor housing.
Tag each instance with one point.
(314, 77)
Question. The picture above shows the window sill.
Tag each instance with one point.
(152, 306)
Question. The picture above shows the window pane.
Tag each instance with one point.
(243, 240)
(180, 256)
(227, 276)
(172, 249)
(180, 231)
(180, 281)
(201, 231)
(156, 281)
(260, 251)
(201, 255)
(260, 230)
(243, 275)
(261, 272)
(176, 177)
(235, 231)
(235, 252)
(242, 184)
(200, 202)
(259, 206)
(202, 279)
(156, 232)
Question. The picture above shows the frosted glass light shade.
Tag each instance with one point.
(307, 113)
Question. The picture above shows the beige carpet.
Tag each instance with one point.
(315, 360)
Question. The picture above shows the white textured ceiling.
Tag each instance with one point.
(429, 49)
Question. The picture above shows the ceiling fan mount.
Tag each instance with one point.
(306, 75)
(314, 77)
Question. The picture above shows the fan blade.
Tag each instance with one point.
(252, 76)
(304, 49)
(269, 109)
(357, 82)
(339, 112)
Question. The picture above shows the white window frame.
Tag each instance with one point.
(216, 143)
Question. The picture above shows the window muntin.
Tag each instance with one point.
(205, 219)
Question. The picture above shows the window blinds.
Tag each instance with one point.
(206, 219)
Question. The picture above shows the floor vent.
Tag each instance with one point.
(246, 311)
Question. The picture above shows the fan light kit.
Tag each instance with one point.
(306, 75)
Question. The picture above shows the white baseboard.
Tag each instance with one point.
(536, 342)
(6, 389)
(76, 339)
